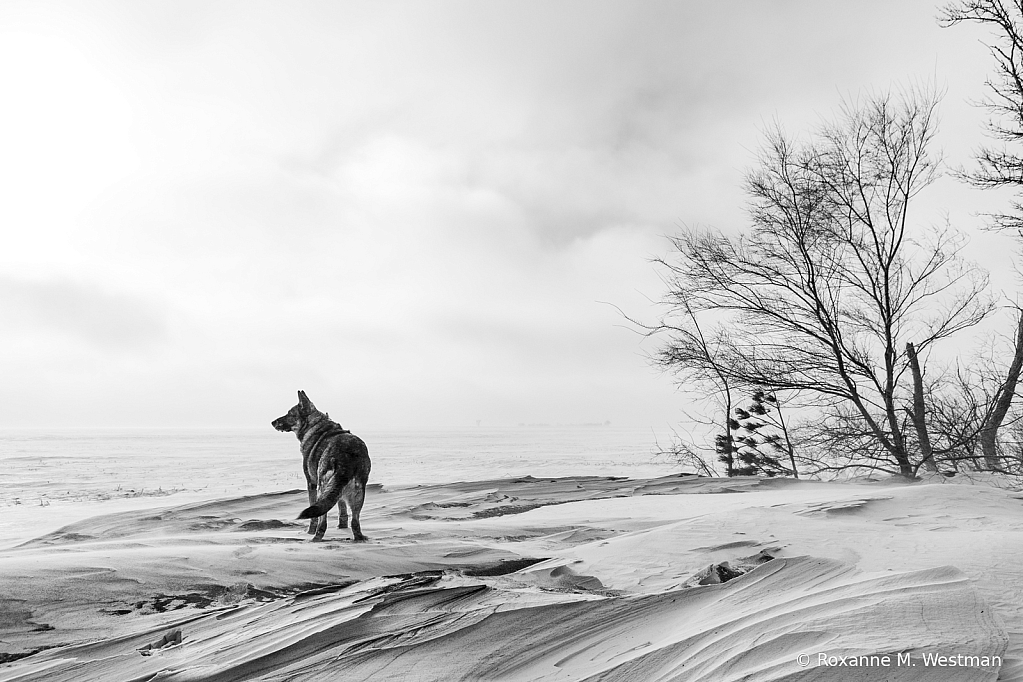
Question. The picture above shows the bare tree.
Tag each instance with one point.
(966, 406)
(956, 411)
(684, 453)
(696, 360)
(1001, 401)
(999, 167)
(1011, 446)
(918, 412)
(832, 280)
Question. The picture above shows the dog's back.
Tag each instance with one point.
(335, 458)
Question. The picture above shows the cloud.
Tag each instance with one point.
(409, 208)
(80, 312)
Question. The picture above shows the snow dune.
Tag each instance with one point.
(578, 578)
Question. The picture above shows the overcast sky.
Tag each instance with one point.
(412, 211)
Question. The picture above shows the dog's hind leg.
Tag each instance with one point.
(321, 527)
(342, 513)
(328, 491)
(317, 524)
(355, 499)
(312, 500)
(350, 489)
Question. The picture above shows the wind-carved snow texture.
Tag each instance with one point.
(603, 579)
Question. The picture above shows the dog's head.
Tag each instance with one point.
(297, 417)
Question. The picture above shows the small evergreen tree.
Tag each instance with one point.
(764, 441)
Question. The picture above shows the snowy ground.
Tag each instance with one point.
(571, 578)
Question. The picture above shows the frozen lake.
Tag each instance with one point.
(39, 467)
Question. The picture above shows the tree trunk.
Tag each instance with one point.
(918, 414)
(729, 452)
(788, 441)
(1003, 400)
(897, 439)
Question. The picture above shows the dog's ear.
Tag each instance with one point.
(304, 401)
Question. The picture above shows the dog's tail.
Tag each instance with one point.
(329, 494)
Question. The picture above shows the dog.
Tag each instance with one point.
(336, 464)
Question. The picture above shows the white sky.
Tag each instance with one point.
(409, 210)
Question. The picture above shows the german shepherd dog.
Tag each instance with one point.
(336, 464)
